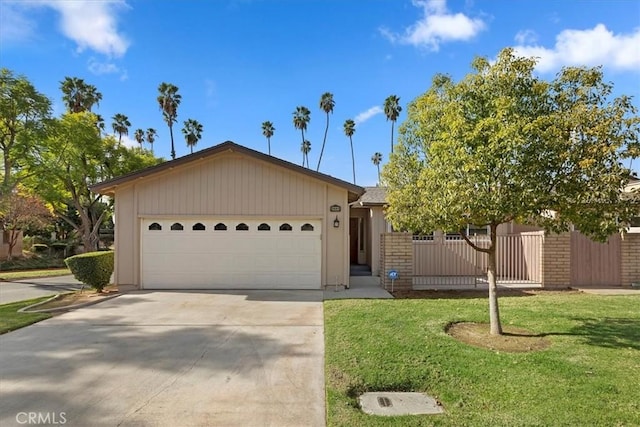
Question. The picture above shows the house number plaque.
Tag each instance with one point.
(335, 208)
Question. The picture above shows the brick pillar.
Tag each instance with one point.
(630, 262)
(396, 253)
(556, 260)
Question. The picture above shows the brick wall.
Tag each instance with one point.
(556, 260)
(630, 254)
(396, 253)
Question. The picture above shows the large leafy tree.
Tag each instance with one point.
(168, 101)
(268, 130)
(349, 129)
(326, 104)
(20, 211)
(301, 118)
(75, 157)
(502, 145)
(79, 96)
(120, 125)
(392, 110)
(24, 113)
(376, 159)
(192, 132)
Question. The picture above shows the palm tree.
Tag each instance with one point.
(192, 131)
(377, 159)
(349, 130)
(100, 123)
(392, 110)
(305, 147)
(120, 126)
(151, 137)
(301, 117)
(79, 96)
(168, 100)
(326, 104)
(267, 131)
(138, 135)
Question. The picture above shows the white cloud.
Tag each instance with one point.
(127, 140)
(526, 37)
(366, 115)
(436, 26)
(591, 47)
(97, 67)
(92, 25)
(15, 26)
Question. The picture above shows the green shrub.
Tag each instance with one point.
(93, 268)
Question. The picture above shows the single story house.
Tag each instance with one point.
(232, 217)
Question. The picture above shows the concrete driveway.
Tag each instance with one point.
(171, 359)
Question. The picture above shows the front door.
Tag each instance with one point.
(353, 240)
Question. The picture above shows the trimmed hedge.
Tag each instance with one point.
(93, 268)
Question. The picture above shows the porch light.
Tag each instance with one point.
(336, 222)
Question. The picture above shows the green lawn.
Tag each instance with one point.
(31, 274)
(11, 320)
(589, 376)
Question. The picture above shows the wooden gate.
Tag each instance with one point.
(443, 261)
(594, 263)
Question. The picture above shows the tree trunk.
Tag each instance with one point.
(392, 123)
(353, 160)
(269, 144)
(494, 311)
(13, 240)
(173, 150)
(326, 129)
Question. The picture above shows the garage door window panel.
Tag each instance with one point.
(198, 226)
(242, 227)
(286, 227)
(264, 227)
(220, 227)
(176, 226)
(155, 227)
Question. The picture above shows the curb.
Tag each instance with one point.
(29, 308)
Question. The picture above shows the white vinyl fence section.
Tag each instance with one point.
(450, 262)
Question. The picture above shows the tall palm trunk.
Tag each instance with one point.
(353, 160)
(378, 166)
(392, 123)
(304, 155)
(326, 129)
(173, 150)
(269, 145)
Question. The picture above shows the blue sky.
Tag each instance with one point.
(241, 62)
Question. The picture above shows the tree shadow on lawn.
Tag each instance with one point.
(609, 332)
(606, 332)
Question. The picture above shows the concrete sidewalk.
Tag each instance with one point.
(362, 287)
(608, 290)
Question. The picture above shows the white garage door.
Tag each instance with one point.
(231, 254)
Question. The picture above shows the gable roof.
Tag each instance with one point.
(373, 196)
(108, 187)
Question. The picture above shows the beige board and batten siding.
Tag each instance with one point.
(226, 185)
